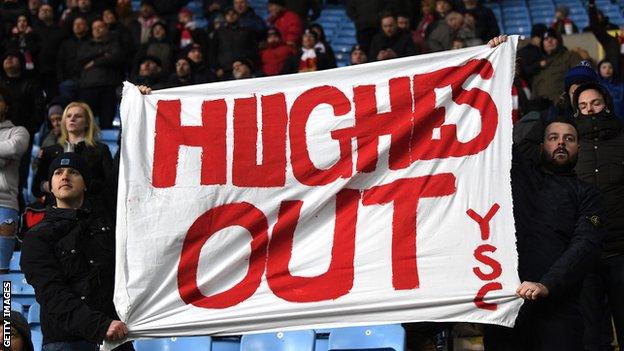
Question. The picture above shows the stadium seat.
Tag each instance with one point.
(578, 11)
(521, 30)
(17, 307)
(512, 24)
(34, 320)
(195, 343)
(110, 134)
(226, 343)
(377, 337)
(299, 340)
(547, 13)
(346, 40)
(22, 292)
(341, 48)
(542, 4)
(14, 265)
(37, 339)
(322, 339)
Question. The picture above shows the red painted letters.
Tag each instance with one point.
(338, 279)
(304, 170)
(245, 171)
(412, 118)
(242, 214)
(497, 270)
(170, 135)
(405, 195)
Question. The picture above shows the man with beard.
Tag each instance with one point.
(559, 236)
(559, 233)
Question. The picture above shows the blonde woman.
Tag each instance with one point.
(79, 134)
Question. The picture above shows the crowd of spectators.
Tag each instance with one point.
(63, 64)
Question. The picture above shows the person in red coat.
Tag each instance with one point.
(275, 54)
(288, 23)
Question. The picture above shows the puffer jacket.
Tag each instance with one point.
(13, 144)
(69, 259)
(601, 161)
(107, 61)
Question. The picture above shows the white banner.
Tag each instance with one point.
(370, 194)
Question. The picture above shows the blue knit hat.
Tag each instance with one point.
(579, 74)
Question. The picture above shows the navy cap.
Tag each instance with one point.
(71, 160)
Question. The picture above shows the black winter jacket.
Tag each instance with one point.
(108, 63)
(601, 161)
(365, 13)
(230, 43)
(558, 227)
(69, 259)
(400, 42)
(52, 37)
(67, 65)
(28, 101)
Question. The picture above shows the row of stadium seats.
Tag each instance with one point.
(382, 337)
(339, 29)
(379, 337)
(517, 16)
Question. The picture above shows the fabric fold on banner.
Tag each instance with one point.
(370, 194)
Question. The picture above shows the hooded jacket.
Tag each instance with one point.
(601, 161)
(28, 99)
(13, 144)
(548, 82)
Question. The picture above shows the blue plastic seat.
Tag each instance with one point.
(516, 17)
(578, 10)
(377, 337)
(17, 307)
(541, 3)
(226, 343)
(34, 317)
(492, 5)
(334, 11)
(322, 339)
(299, 340)
(37, 339)
(21, 291)
(34, 313)
(513, 24)
(110, 134)
(521, 30)
(195, 343)
(14, 265)
(347, 31)
(544, 20)
(340, 40)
